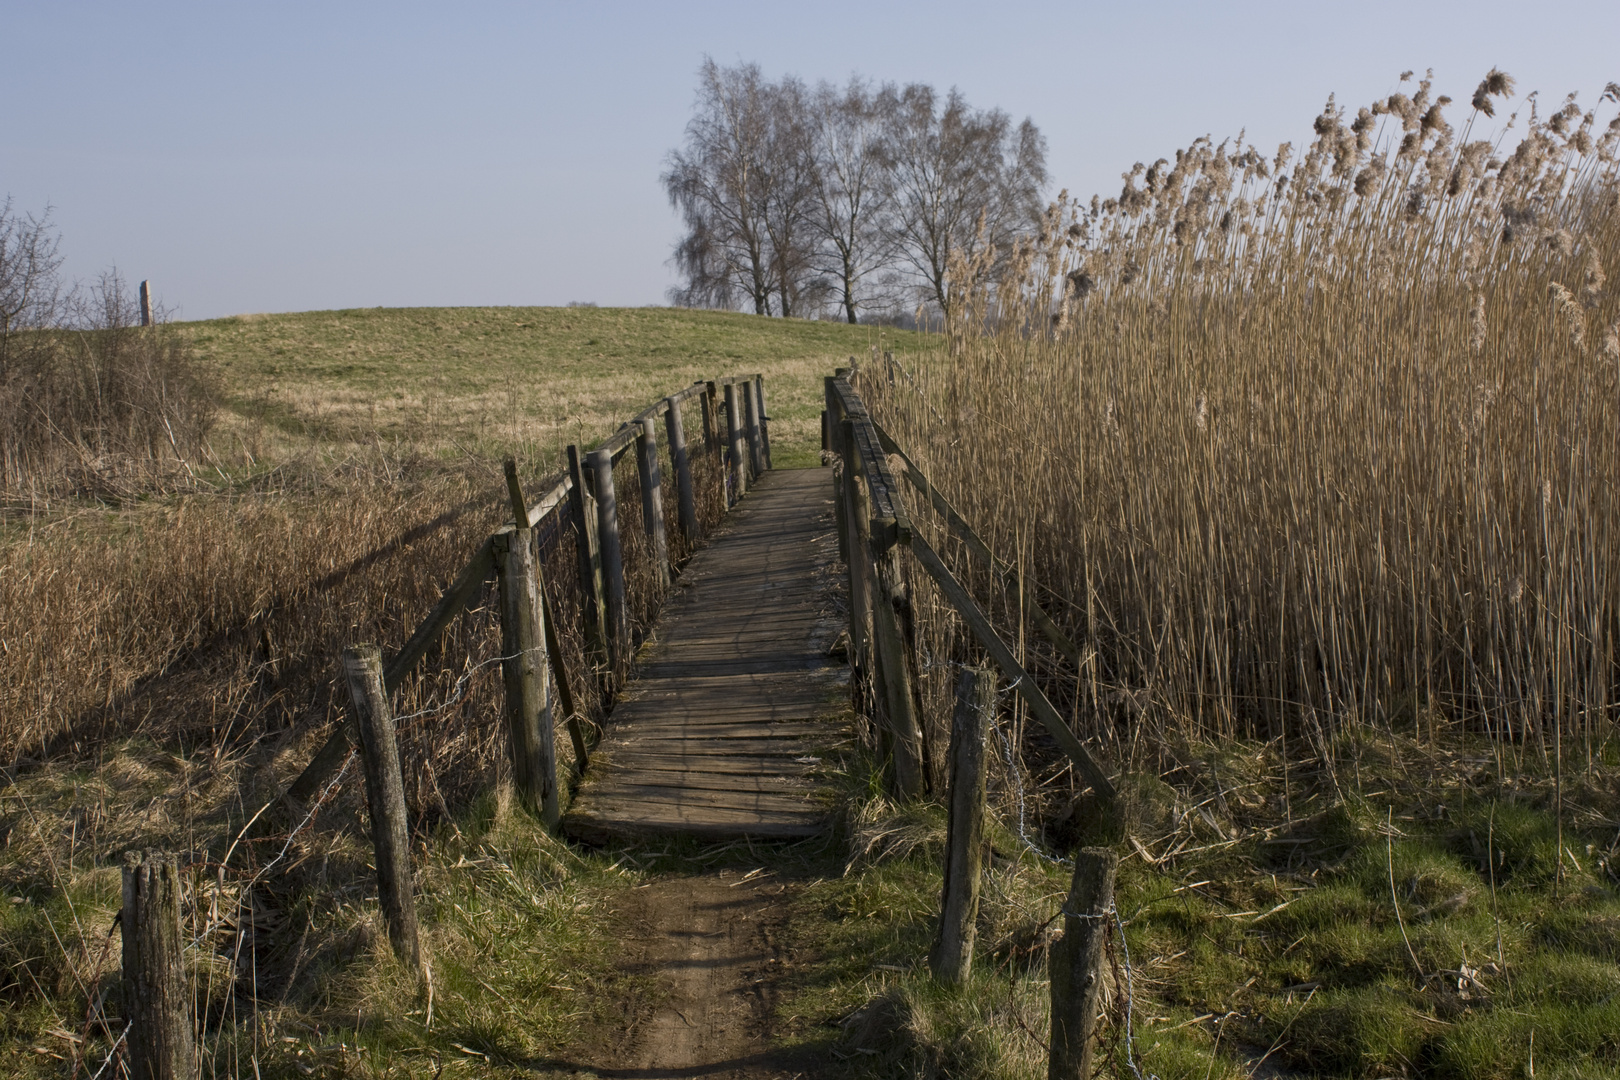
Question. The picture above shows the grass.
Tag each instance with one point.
(490, 381)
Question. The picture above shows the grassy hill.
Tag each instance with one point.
(492, 381)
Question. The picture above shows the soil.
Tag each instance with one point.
(713, 943)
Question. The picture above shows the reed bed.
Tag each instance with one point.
(1298, 443)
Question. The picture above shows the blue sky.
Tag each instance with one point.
(286, 156)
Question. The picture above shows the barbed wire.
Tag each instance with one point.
(112, 1053)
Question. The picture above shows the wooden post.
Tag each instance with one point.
(652, 498)
(857, 550)
(711, 418)
(952, 955)
(738, 472)
(148, 315)
(756, 449)
(528, 702)
(685, 499)
(764, 420)
(1075, 963)
(616, 612)
(157, 999)
(591, 604)
(385, 795)
(833, 453)
(889, 610)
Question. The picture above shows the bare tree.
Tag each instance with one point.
(962, 178)
(30, 291)
(853, 193)
(787, 190)
(715, 182)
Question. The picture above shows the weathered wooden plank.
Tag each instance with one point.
(723, 729)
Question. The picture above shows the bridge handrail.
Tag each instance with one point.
(871, 539)
(547, 516)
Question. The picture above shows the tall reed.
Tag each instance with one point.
(1299, 442)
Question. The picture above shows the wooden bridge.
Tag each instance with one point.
(716, 719)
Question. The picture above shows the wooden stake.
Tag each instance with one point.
(157, 999)
(756, 448)
(764, 420)
(592, 603)
(952, 955)
(385, 795)
(617, 621)
(148, 315)
(734, 440)
(652, 498)
(889, 606)
(1075, 963)
(686, 500)
(528, 702)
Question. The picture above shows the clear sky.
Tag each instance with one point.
(287, 156)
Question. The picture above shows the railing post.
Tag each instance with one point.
(652, 498)
(764, 420)
(890, 609)
(157, 1000)
(738, 464)
(591, 603)
(528, 700)
(711, 418)
(686, 501)
(952, 955)
(1075, 963)
(385, 796)
(756, 448)
(617, 616)
(856, 551)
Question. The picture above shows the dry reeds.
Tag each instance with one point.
(1298, 441)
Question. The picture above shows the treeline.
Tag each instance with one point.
(844, 202)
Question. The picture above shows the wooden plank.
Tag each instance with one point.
(734, 706)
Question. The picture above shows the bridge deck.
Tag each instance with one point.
(722, 729)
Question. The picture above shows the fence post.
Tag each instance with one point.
(764, 420)
(685, 500)
(1075, 963)
(952, 955)
(711, 418)
(148, 316)
(889, 610)
(385, 795)
(738, 465)
(158, 1002)
(528, 701)
(617, 616)
(756, 450)
(590, 559)
(857, 551)
(652, 498)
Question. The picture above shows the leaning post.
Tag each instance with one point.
(952, 955)
(652, 498)
(157, 1000)
(889, 609)
(385, 796)
(1075, 963)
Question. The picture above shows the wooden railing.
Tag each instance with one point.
(874, 529)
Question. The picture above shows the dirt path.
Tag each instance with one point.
(713, 942)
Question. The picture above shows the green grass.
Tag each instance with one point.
(491, 381)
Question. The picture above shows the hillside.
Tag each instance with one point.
(491, 381)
